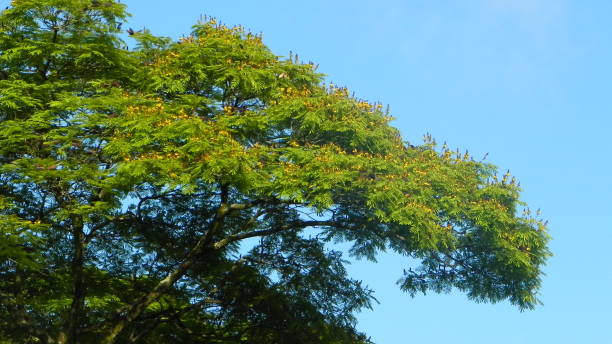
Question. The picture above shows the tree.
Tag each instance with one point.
(188, 191)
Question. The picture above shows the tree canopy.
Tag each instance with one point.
(192, 190)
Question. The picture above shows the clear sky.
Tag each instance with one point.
(528, 81)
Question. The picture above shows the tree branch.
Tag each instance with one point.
(128, 314)
(301, 224)
(133, 311)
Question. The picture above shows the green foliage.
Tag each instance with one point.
(130, 178)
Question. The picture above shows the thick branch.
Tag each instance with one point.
(138, 307)
(301, 224)
(128, 314)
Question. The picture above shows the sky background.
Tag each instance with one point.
(528, 81)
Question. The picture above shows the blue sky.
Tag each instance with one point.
(528, 81)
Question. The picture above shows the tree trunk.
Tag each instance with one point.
(78, 297)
